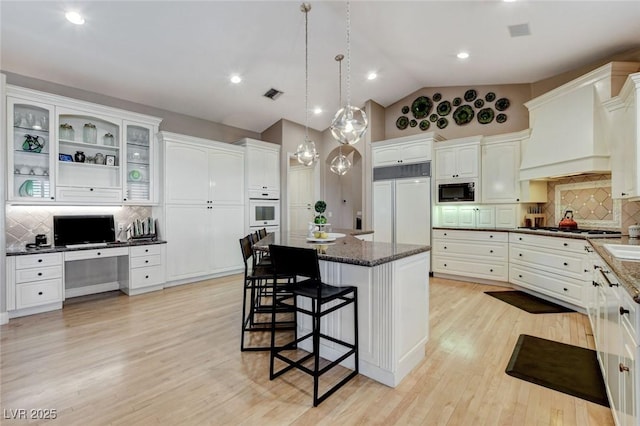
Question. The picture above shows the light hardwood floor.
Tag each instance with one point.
(172, 357)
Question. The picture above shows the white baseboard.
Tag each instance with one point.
(4, 317)
(91, 289)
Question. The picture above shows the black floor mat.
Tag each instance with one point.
(566, 368)
(527, 302)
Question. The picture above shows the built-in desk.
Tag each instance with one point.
(39, 280)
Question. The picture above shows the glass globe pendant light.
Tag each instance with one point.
(340, 165)
(306, 152)
(350, 123)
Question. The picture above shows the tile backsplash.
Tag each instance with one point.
(590, 199)
(23, 223)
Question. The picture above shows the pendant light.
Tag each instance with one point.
(340, 165)
(350, 123)
(306, 152)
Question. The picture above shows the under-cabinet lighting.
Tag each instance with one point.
(235, 79)
(74, 17)
(317, 110)
(372, 76)
(462, 55)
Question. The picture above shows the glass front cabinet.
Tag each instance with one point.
(65, 151)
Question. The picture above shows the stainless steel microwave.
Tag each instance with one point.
(457, 192)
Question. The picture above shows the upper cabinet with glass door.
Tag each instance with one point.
(89, 157)
(140, 159)
(31, 151)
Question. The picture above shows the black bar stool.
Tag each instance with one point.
(294, 262)
(259, 287)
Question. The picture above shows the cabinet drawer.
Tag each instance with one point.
(496, 251)
(92, 195)
(149, 276)
(466, 268)
(558, 243)
(37, 260)
(563, 288)
(145, 250)
(96, 253)
(264, 193)
(567, 264)
(38, 274)
(142, 261)
(629, 316)
(38, 293)
(449, 234)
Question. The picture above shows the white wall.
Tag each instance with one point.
(4, 317)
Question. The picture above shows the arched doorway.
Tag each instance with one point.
(343, 194)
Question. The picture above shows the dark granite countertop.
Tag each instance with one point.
(347, 249)
(627, 271)
(53, 249)
(460, 228)
(522, 231)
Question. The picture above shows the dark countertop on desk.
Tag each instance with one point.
(54, 249)
(347, 249)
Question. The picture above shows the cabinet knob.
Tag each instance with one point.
(90, 189)
(40, 294)
(565, 244)
(445, 265)
(519, 238)
(490, 270)
(490, 251)
(445, 234)
(623, 311)
(146, 250)
(517, 199)
(519, 276)
(623, 368)
(39, 260)
(146, 276)
(565, 289)
(520, 254)
(565, 264)
(53, 198)
(124, 199)
(98, 253)
(39, 274)
(490, 236)
(623, 194)
(445, 247)
(146, 261)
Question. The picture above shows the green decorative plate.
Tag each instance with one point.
(421, 107)
(424, 125)
(501, 118)
(442, 123)
(490, 97)
(437, 97)
(485, 116)
(405, 109)
(402, 122)
(457, 101)
(479, 103)
(463, 115)
(502, 104)
(433, 117)
(413, 123)
(444, 108)
(470, 95)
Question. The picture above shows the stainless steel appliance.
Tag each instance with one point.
(456, 192)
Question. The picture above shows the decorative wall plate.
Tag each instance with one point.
(424, 125)
(479, 103)
(437, 97)
(485, 116)
(433, 117)
(501, 118)
(413, 123)
(463, 115)
(470, 95)
(442, 123)
(456, 101)
(444, 108)
(502, 104)
(421, 107)
(402, 122)
(490, 97)
(405, 109)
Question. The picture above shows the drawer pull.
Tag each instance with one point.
(445, 234)
(39, 293)
(490, 251)
(445, 247)
(565, 289)
(39, 260)
(490, 270)
(623, 368)
(595, 283)
(604, 274)
(99, 253)
(565, 264)
(146, 261)
(146, 276)
(623, 311)
(146, 250)
(520, 238)
(39, 274)
(565, 244)
(520, 254)
(490, 236)
(445, 265)
(519, 276)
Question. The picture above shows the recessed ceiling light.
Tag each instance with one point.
(372, 76)
(235, 79)
(74, 17)
(317, 110)
(508, 1)
(462, 55)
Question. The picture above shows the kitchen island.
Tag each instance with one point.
(393, 301)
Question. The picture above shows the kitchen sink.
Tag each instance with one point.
(623, 251)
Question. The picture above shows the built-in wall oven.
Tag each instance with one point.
(264, 213)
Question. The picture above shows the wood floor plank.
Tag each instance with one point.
(173, 357)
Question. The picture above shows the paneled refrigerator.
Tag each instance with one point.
(402, 203)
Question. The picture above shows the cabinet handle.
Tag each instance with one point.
(519, 276)
(39, 274)
(90, 189)
(490, 270)
(445, 265)
(125, 199)
(265, 194)
(624, 193)
(146, 276)
(597, 267)
(146, 250)
(565, 244)
(146, 261)
(39, 260)
(490, 236)
(490, 251)
(565, 289)
(520, 238)
(445, 247)
(623, 311)
(520, 254)
(604, 274)
(595, 283)
(445, 234)
(39, 293)
(588, 249)
(517, 199)
(623, 368)
(53, 198)
(99, 253)
(565, 264)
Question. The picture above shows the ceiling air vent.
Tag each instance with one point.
(273, 94)
(519, 30)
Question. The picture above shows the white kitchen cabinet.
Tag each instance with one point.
(100, 173)
(204, 208)
(35, 282)
(500, 172)
(448, 216)
(401, 153)
(478, 216)
(456, 159)
(474, 254)
(553, 266)
(146, 268)
(624, 135)
(262, 167)
(506, 216)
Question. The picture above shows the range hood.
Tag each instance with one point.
(569, 126)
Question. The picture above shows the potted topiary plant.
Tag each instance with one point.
(320, 208)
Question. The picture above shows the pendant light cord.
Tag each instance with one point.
(306, 7)
(348, 53)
